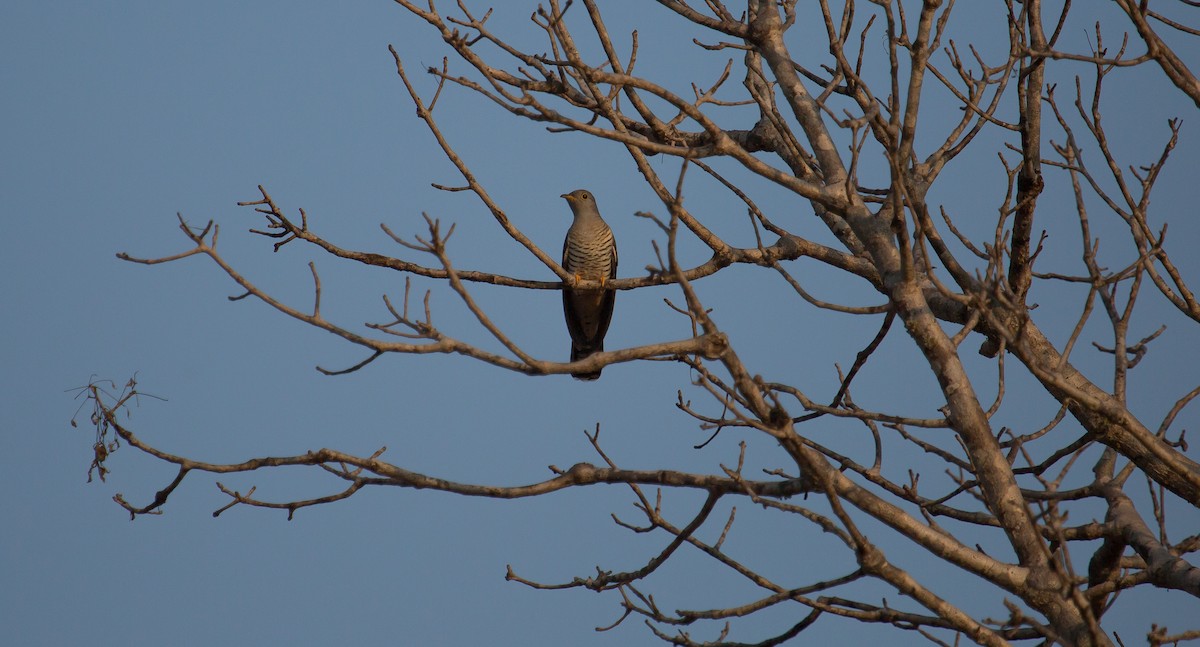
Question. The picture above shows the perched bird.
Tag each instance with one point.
(589, 252)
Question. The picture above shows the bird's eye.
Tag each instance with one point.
(587, 196)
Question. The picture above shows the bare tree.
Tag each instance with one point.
(848, 134)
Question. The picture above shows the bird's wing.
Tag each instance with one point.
(612, 268)
(570, 311)
(574, 319)
(608, 300)
(605, 316)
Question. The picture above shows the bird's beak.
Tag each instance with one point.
(568, 197)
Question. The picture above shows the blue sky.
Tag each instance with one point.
(114, 120)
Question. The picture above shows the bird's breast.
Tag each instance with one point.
(589, 253)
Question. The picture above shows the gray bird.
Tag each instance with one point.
(589, 252)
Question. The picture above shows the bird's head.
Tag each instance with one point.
(579, 199)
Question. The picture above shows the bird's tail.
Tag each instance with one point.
(578, 353)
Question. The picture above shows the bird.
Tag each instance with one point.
(589, 252)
